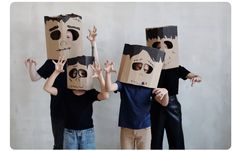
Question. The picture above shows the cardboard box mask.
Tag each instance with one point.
(165, 39)
(141, 65)
(63, 36)
(79, 73)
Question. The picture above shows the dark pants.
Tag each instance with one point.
(170, 119)
(58, 132)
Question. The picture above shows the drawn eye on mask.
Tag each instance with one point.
(169, 44)
(55, 35)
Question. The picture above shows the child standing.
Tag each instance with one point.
(134, 116)
(78, 132)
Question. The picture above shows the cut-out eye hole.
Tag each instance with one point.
(73, 73)
(168, 44)
(137, 66)
(55, 35)
(147, 68)
(156, 45)
(82, 73)
(74, 33)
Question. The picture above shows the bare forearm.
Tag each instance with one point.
(34, 76)
(108, 83)
(165, 100)
(103, 95)
(48, 86)
(102, 83)
(191, 75)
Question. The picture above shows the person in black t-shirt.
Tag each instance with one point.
(78, 132)
(56, 104)
(168, 118)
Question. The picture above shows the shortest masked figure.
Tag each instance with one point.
(79, 73)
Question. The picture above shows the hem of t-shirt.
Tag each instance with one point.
(135, 128)
(80, 128)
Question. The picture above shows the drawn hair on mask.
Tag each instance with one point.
(84, 60)
(155, 54)
(64, 18)
(161, 32)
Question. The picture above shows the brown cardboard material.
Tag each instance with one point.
(57, 41)
(141, 65)
(166, 39)
(79, 73)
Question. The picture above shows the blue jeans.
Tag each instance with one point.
(79, 139)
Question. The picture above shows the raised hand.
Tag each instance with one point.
(92, 34)
(109, 67)
(97, 71)
(59, 64)
(30, 62)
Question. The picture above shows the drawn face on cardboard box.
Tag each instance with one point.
(79, 73)
(165, 39)
(63, 36)
(141, 65)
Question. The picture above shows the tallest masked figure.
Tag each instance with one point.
(168, 118)
(63, 38)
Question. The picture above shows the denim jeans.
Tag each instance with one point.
(79, 139)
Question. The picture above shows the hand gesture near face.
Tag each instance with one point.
(59, 64)
(97, 71)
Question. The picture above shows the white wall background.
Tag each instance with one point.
(205, 48)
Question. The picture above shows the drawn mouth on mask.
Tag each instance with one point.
(136, 82)
(64, 49)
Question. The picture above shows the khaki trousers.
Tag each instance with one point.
(135, 138)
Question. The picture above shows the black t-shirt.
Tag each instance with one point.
(56, 106)
(79, 109)
(169, 79)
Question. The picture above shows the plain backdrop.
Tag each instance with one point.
(204, 32)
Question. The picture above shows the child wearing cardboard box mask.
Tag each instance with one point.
(79, 129)
(168, 118)
(136, 83)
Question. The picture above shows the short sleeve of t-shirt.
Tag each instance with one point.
(183, 72)
(46, 69)
(92, 95)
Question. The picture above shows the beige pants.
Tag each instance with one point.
(135, 138)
